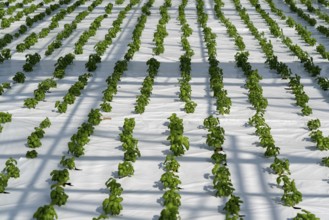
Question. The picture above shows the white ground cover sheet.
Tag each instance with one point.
(250, 172)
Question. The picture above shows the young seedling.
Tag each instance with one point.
(313, 124)
(45, 212)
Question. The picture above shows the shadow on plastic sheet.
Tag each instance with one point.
(117, 50)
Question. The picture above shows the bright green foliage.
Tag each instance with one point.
(280, 167)
(321, 49)
(185, 87)
(4, 118)
(170, 180)
(232, 208)
(300, 95)
(44, 32)
(300, 12)
(73, 92)
(112, 81)
(114, 187)
(313, 124)
(91, 65)
(210, 122)
(132, 154)
(68, 163)
(108, 8)
(171, 197)
(325, 161)
(323, 82)
(306, 110)
(272, 151)
(219, 158)
(4, 86)
(285, 72)
(33, 141)
(190, 106)
(59, 73)
(58, 196)
(60, 177)
(61, 65)
(223, 102)
(112, 183)
(69, 98)
(134, 46)
(128, 126)
(61, 106)
(31, 154)
(146, 90)
(10, 171)
(30, 102)
(3, 182)
(129, 143)
(306, 215)
(44, 87)
(31, 60)
(255, 94)
(80, 139)
(5, 23)
(69, 28)
(106, 107)
(222, 181)
(315, 135)
(171, 164)
(291, 195)
(5, 55)
(94, 117)
(216, 135)
(161, 32)
(185, 90)
(170, 212)
(45, 123)
(112, 205)
(125, 169)
(216, 138)
(100, 217)
(303, 56)
(322, 143)
(19, 77)
(178, 143)
(45, 212)
(91, 31)
(119, 2)
(264, 133)
(29, 41)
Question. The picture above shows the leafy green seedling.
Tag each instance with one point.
(313, 124)
(31, 154)
(45, 212)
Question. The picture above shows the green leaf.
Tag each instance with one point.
(58, 196)
(31, 154)
(46, 212)
(125, 169)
